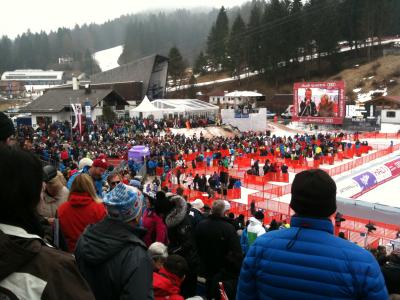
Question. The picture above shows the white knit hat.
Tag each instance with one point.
(85, 162)
(197, 204)
(227, 205)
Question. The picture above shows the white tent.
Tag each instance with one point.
(145, 109)
(243, 94)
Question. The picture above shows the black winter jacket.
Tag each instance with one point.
(215, 239)
(114, 261)
(391, 273)
(181, 233)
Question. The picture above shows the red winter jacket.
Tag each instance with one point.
(156, 228)
(78, 212)
(166, 285)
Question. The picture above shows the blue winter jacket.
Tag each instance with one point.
(98, 184)
(308, 262)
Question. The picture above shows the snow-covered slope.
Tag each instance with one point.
(108, 59)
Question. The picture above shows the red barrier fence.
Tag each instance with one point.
(377, 135)
(361, 161)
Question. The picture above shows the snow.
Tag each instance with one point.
(386, 193)
(357, 90)
(363, 97)
(244, 193)
(243, 94)
(108, 59)
(183, 87)
(208, 132)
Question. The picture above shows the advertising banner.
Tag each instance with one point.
(365, 180)
(394, 167)
(319, 102)
(369, 180)
(88, 110)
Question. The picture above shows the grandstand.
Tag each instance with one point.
(34, 77)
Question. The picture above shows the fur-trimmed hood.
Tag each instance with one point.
(178, 211)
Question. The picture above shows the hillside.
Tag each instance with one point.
(381, 75)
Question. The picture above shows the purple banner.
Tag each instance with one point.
(366, 180)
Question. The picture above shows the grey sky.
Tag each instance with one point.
(19, 15)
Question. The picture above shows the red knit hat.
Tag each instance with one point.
(100, 162)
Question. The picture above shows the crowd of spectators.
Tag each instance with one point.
(130, 243)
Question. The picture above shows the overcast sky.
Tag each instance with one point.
(19, 15)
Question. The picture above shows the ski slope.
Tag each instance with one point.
(108, 59)
(387, 193)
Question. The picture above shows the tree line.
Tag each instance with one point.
(282, 33)
(142, 34)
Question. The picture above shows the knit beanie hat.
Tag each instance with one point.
(227, 206)
(6, 127)
(313, 194)
(161, 204)
(100, 163)
(197, 204)
(259, 215)
(85, 162)
(123, 203)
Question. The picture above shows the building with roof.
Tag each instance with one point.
(172, 108)
(236, 98)
(129, 91)
(151, 71)
(387, 110)
(55, 105)
(12, 89)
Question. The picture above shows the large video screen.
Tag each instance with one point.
(319, 102)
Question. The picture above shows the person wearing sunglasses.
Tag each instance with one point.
(113, 180)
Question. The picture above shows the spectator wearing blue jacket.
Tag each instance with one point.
(307, 261)
(96, 171)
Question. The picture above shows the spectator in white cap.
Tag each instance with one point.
(159, 253)
(227, 206)
(196, 212)
(111, 255)
(86, 161)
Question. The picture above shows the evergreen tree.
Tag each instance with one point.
(253, 39)
(176, 67)
(89, 64)
(236, 48)
(200, 65)
(217, 40)
(191, 94)
(6, 57)
(296, 31)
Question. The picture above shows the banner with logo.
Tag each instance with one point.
(77, 108)
(88, 110)
(371, 179)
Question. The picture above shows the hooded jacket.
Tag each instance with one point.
(166, 285)
(29, 269)
(249, 235)
(181, 232)
(114, 260)
(254, 230)
(306, 262)
(78, 212)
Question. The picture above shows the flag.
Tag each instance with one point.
(77, 108)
